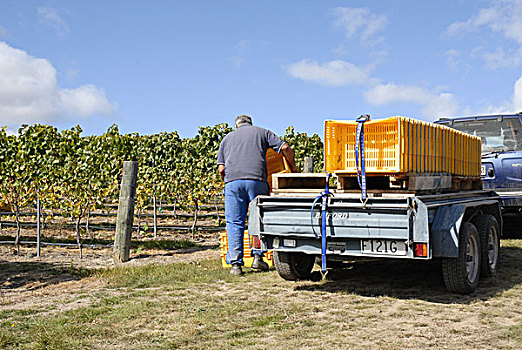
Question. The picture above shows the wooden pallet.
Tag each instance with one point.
(411, 182)
(375, 183)
(462, 183)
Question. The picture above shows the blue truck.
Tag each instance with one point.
(501, 168)
(303, 225)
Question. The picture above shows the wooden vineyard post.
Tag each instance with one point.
(125, 218)
(308, 165)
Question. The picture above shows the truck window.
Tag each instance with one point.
(505, 135)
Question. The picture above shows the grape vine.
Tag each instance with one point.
(76, 174)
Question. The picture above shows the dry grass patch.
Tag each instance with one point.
(367, 304)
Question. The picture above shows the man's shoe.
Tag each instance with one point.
(259, 264)
(236, 270)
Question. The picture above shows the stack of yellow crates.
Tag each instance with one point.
(275, 163)
(248, 243)
(400, 145)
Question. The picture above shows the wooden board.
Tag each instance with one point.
(298, 181)
(429, 182)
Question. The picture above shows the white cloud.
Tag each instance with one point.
(517, 97)
(435, 105)
(456, 62)
(387, 93)
(499, 58)
(29, 92)
(504, 18)
(360, 22)
(49, 16)
(334, 73)
(510, 107)
(440, 105)
(84, 101)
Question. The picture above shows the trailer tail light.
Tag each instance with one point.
(256, 243)
(421, 250)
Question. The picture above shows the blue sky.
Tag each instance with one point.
(152, 66)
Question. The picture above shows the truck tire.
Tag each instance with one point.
(489, 234)
(461, 274)
(293, 266)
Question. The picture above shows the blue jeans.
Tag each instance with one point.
(238, 194)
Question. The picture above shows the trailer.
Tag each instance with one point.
(301, 225)
(405, 189)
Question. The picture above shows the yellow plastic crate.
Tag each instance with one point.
(248, 243)
(402, 145)
(275, 163)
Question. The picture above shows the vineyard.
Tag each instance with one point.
(71, 182)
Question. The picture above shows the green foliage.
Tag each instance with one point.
(305, 146)
(77, 173)
(201, 181)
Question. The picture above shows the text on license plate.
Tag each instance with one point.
(482, 170)
(383, 247)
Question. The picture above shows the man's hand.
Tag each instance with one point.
(221, 171)
(289, 156)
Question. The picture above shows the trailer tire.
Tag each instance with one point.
(461, 274)
(489, 234)
(293, 266)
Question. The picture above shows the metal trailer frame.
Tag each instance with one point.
(431, 219)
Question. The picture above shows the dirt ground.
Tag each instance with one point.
(26, 280)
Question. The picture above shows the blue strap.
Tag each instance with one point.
(324, 204)
(359, 146)
(312, 213)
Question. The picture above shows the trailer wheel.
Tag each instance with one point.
(461, 274)
(293, 266)
(489, 234)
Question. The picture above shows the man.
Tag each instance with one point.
(242, 166)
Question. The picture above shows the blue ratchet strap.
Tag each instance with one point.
(359, 147)
(324, 196)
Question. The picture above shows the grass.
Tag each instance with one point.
(368, 304)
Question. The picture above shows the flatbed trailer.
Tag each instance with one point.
(461, 228)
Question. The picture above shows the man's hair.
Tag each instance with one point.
(243, 119)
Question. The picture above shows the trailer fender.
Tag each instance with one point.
(253, 218)
(420, 218)
(445, 230)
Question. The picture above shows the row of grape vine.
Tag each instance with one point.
(74, 174)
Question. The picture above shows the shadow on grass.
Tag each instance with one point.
(415, 279)
(164, 244)
(33, 276)
(171, 248)
(135, 244)
(36, 275)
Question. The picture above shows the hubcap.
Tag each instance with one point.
(472, 266)
(492, 248)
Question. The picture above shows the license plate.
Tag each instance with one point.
(482, 170)
(383, 247)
